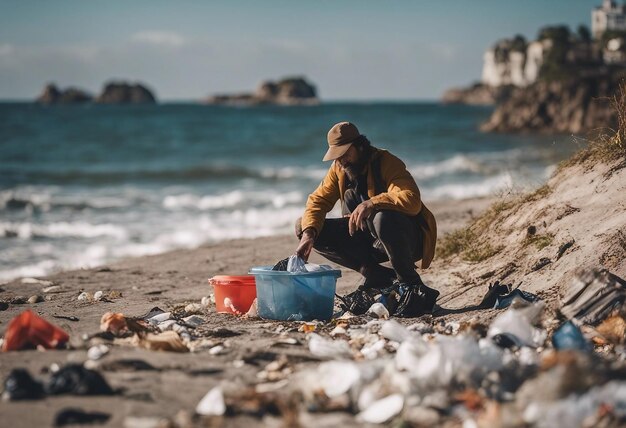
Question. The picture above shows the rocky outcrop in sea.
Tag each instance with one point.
(573, 105)
(288, 91)
(125, 93)
(112, 93)
(53, 95)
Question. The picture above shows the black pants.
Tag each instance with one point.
(389, 236)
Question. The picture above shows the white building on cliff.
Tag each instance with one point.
(609, 16)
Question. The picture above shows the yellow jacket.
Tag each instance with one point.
(402, 195)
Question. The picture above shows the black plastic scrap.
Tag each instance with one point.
(500, 296)
(593, 295)
(20, 385)
(78, 380)
(74, 416)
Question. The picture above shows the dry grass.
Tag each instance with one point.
(473, 244)
(539, 241)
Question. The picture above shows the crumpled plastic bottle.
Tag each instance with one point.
(518, 323)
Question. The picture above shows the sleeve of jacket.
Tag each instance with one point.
(402, 192)
(321, 201)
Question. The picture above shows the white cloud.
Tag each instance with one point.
(159, 38)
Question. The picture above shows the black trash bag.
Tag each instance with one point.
(495, 291)
(358, 302)
(20, 385)
(74, 416)
(281, 265)
(76, 379)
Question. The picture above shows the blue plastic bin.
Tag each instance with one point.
(295, 296)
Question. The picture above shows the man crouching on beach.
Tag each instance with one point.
(383, 220)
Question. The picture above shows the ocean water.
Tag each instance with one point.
(81, 186)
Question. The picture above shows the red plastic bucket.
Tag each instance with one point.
(233, 294)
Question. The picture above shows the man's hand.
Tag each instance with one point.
(359, 216)
(306, 244)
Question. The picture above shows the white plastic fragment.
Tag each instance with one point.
(382, 410)
(395, 331)
(159, 318)
(194, 308)
(166, 325)
(83, 297)
(36, 281)
(337, 331)
(371, 351)
(253, 311)
(51, 289)
(98, 295)
(337, 377)
(518, 322)
(212, 404)
(378, 310)
(98, 351)
(327, 348)
(194, 320)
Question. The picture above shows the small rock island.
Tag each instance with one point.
(112, 93)
(288, 91)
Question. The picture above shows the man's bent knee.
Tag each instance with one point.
(388, 221)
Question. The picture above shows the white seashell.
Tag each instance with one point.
(378, 310)
(212, 404)
(322, 347)
(395, 331)
(98, 295)
(382, 410)
(51, 289)
(337, 377)
(205, 301)
(83, 297)
(166, 325)
(194, 320)
(194, 308)
(98, 351)
(216, 350)
(159, 318)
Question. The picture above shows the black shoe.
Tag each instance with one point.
(415, 300)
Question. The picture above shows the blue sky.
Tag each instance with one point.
(184, 50)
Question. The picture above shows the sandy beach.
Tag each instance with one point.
(166, 281)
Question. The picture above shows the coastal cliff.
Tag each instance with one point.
(288, 91)
(574, 105)
(554, 84)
